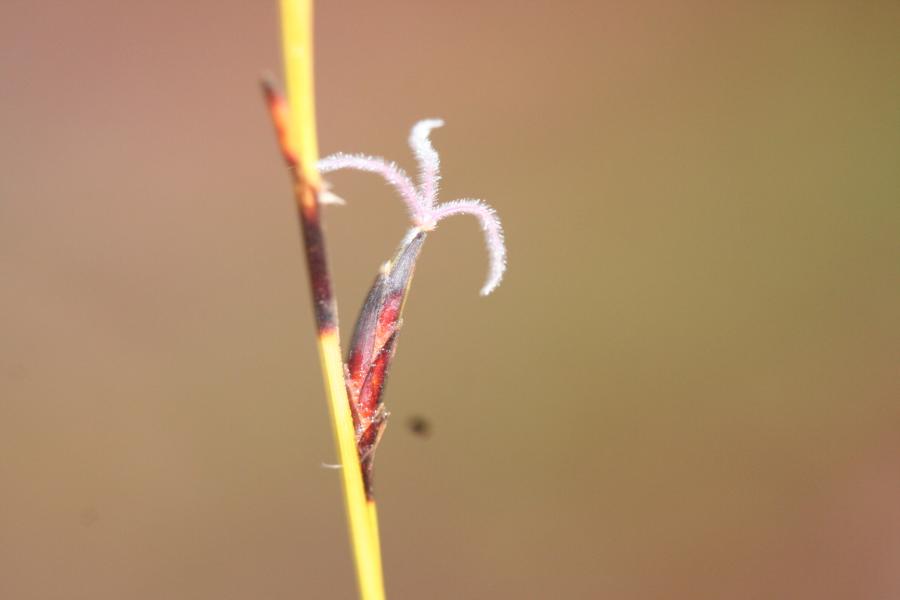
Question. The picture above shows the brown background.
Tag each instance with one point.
(685, 388)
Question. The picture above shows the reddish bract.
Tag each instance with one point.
(372, 349)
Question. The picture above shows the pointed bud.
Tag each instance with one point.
(372, 348)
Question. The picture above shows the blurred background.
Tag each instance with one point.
(686, 386)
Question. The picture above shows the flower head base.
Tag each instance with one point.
(421, 200)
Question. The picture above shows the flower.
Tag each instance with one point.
(421, 200)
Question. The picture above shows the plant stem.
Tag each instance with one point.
(297, 134)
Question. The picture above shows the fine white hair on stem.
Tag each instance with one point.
(493, 235)
(427, 157)
(393, 174)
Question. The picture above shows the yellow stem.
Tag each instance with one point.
(296, 19)
(361, 514)
(297, 47)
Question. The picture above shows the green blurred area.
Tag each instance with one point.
(686, 387)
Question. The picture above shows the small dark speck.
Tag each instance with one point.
(420, 426)
(89, 516)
